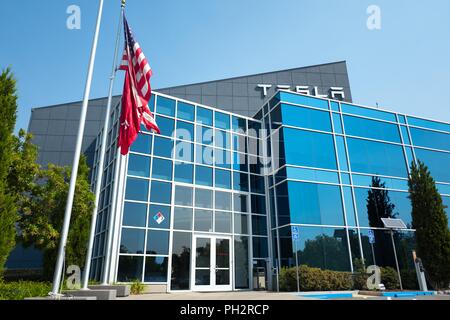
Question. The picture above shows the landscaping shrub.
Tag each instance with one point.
(389, 278)
(137, 288)
(23, 289)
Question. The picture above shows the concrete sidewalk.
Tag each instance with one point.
(241, 295)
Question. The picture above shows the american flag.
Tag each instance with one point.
(136, 93)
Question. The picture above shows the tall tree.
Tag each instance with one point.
(42, 219)
(8, 213)
(431, 225)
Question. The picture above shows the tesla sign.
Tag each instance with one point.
(336, 93)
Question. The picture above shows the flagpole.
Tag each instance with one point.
(73, 178)
(100, 168)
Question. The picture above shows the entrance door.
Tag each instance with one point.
(211, 267)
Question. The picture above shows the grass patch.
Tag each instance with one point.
(23, 289)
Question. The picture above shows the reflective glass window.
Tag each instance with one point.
(310, 149)
(241, 255)
(143, 144)
(304, 100)
(306, 118)
(182, 218)
(184, 151)
(437, 162)
(223, 201)
(166, 125)
(222, 139)
(185, 131)
(223, 222)
(184, 172)
(181, 261)
(240, 162)
(159, 217)
(222, 121)
(157, 242)
(260, 247)
(337, 123)
(165, 106)
(204, 116)
(204, 155)
(205, 135)
(258, 204)
(349, 207)
(222, 158)
(372, 129)
(240, 181)
(239, 124)
(257, 184)
(130, 268)
(139, 165)
(184, 196)
(156, 269)
(137, 189)
(203, 198)
(430, 139)
(428, 124)
(259, 225)
(405, 135)
(163, 147)
(132, 241)
(342, 153)
(203, 220)
(186, 111)
(223, 179)
(161, 192)
(334, 106)
(240, 202)
(204, 176)
(315, 204)
(376, 158)
(162, 169)
(134, 214)
(241, 223)
(312, 175)
(367, 112)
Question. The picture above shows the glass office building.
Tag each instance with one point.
(211, 201)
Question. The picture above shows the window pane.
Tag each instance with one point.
(376, 158)
(204, 116)
(304, 100)
(159, 217)
(185, 131)
(349, 207)
(315, 204)
(222, 121)
(143, 144)
(130, 269)
(260, 248)
(222, 158)
(258, 204)
(137, 189)
(259, 226)
(309, 149)
(182, 219)
(184, 151)
(156, 269)
(222, 139)
(306, 118)
(337, 123)
(239, 143)
(139, 165)
(241, 253)
(134, 214)
(163, 147)
(184, 172)
(240, 202)
(183, 196)
(223, 222)
(223, 179)
(429, 124)
(203, 220)
(223, 201)
(240, 162)
(205, 155)
(342, 153)
(181, 261)
(367, 112)
(165, 106)
(355, 126)
(257, 184)
(185, 111)
(161, 192)
(405, 135)
(132, 241)
(157, 242)
(204, 176)
(166, 125)
(437, 162)
(162, 169)
(203, 198)
(205, 135)
(239, 124)
(430, 139)
(240, 181)
(241, 223)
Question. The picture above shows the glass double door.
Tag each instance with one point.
(211, 265)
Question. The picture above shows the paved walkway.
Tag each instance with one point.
(242, 295)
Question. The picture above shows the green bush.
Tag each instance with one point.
(389, 278)
(23, 289)
(315, 279)
(409, 279)
(137, 288)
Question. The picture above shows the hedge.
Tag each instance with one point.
(315, 279)
(23, 289)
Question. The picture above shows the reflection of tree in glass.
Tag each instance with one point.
(326, 252)
(180, 269)
(379, 206)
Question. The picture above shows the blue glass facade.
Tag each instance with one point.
(302, 161)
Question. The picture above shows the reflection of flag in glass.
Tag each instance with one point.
(136, 93)
(159, 218)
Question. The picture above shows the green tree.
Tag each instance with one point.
(42, 219)
(8, 213)
(431, 225)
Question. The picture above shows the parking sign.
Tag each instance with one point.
(371, 237)
(295, 233)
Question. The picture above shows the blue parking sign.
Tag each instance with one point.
(371, 236)
(295, 233)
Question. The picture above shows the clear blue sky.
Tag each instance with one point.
(404, 66)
